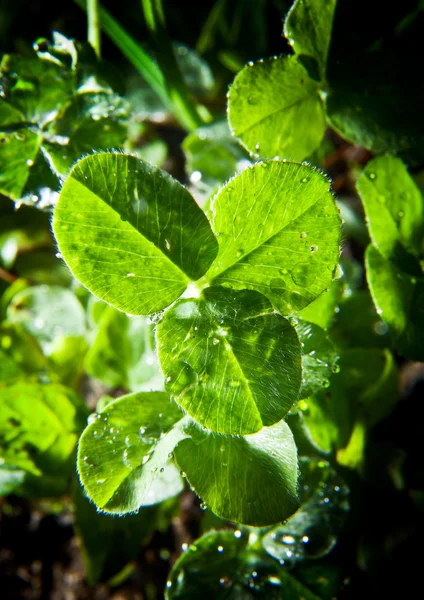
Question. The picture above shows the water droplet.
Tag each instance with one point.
(304, 180)
(215, 341)
(288, 539)
(305, 539)
(220, 549)
(313, 249)
(303, 235)
(326, 383)
(257, 146)
(168, 584)
(130, 274)
(250, 63)
(336, 369)
(203, 506)
(239, 252)
(167, 245)
(184, 546)
(303, 405)
(372, 176)
(401, 214)
(30, 162)
(251, 100)
(237, 533)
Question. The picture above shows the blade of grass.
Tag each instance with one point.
(94, 26)
(178, 92)
(144, 64)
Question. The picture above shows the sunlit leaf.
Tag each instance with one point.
(230, 360)
(394, 208)
(151, 240)
(126, 448)
(308, 28)
(254, 478)
(275, 109)
(278, 230)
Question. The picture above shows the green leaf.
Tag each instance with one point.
(21, 357)
(394, 208)
(308, 28)
(312, 532)
(213, 153)
(124, 448)
(230, 360)
(254, 477)
(369, 111)
(323, 310)
(399, 298)
(221, 565)
(357, 324)
(48, 313)
(131, 233)
(319, 358)
(278, 230)
(275, 110)
(34, 87)
(39, 427)
(122, 354)
(18, 150)
(363, 390)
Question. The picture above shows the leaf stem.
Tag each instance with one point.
(94, 26)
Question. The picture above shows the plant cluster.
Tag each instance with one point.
(209, 334)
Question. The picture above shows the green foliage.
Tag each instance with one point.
(394, 262)
(221, 564)
(54, 107)
(230, 351)
(254, 478)
(147, 220)
(124, 451)
(277, 95)
(280, 106)
(226, 373)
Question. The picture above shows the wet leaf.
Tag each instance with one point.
(399, 298)
(254, 477)
(221, 565)
(275, 109)
(151, 240)
(312, 532)
(308, 28)
(394, 208)
(230, 360)
(123, 450)
(278, 230)
(319, 358)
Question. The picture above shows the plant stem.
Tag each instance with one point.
(185, 109)
(94, 26)
(147, 68)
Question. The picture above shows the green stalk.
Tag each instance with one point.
(184, 107)
(147, 68)
(94, 25)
